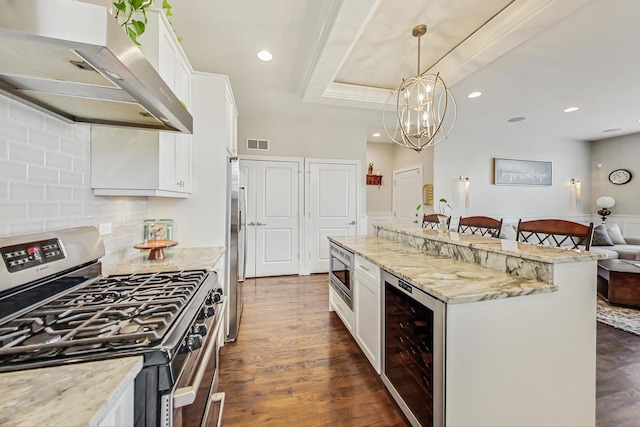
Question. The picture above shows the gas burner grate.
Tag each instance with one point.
(113, 313)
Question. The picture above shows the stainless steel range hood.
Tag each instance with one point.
(72, 60)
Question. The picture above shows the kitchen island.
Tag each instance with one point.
(520, 323)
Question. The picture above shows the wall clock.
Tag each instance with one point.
(620, 176)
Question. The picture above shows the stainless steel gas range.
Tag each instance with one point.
(57, 308)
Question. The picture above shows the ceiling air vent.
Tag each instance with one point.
(257, 144)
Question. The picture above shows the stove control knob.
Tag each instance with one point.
(208, 311)
(200, 329)
(218, 291)
(194, 342)
(216, 297)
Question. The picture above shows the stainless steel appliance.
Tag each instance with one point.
(89, 73)
(236, 244)
(57, 308)
(341, 272)
(413, 350)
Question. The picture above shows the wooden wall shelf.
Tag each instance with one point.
(374, 179)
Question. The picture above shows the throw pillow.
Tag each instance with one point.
(600, 236)
(615, 235)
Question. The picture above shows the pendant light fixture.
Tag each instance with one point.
(421, 111)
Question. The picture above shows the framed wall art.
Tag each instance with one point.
(522, 172)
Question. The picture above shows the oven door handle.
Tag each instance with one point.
(184, 396)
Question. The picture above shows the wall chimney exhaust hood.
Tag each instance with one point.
(72, 60)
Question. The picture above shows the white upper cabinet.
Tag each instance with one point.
(146, 163)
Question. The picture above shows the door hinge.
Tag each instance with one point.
(394, 214)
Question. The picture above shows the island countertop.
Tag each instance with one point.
(447, 279)
(176, 259)
(528, 251)
(78, 394)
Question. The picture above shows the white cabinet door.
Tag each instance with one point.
(163, 166)
(367, 308)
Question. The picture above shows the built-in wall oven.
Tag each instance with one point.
(413, 350)
(341, 272)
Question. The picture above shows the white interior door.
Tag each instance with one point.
(407, 195)
(332, 208)
(272, 217)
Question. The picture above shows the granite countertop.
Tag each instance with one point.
(78, 394)
(447, 279)
(176, 259)
(541, 253)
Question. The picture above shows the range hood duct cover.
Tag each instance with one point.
(72, 60)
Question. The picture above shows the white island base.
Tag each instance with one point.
(520, 346)
(526, 361)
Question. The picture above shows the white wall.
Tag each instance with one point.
(379, 197)
(45, 181)
(471, 154)
(325, 140)
(200, 219)
(616, 153)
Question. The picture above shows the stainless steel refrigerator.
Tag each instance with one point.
(236, 244)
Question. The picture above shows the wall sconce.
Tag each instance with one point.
(577, 185)
(465, 180)
(604, 203)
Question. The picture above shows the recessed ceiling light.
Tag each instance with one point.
(571, 109)
(265, 55)
(474, 94)
(516, 119)
(611, 130)
(375, 134)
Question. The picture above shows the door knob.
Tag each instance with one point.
(352, 223)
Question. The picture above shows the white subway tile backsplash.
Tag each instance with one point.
(58, 193)
(18, 191)
(44, 210)
(58, 160)
(32, 200)
(27, 115)
(25, 227)
(72, 147)
(13, 210)
(13, 130)
(93, 209)
(4, 148)
(21, 152)
(82, 166)
(71, 209)
(44, 139)
(10, 171)
(71, 179)
(58, 224)
(85, 194)
(40, 175)
(4, 106)
(58, 127)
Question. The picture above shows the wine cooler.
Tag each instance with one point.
(413, 351)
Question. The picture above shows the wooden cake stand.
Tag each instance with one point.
(156, 246)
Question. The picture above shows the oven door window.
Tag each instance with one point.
(341, 272)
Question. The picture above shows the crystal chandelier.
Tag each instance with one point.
(424, 110)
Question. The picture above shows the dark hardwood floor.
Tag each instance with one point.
(617, 378)
(294, 364)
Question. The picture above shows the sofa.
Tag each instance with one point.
(607, 239)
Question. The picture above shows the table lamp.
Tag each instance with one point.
(604, 203)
